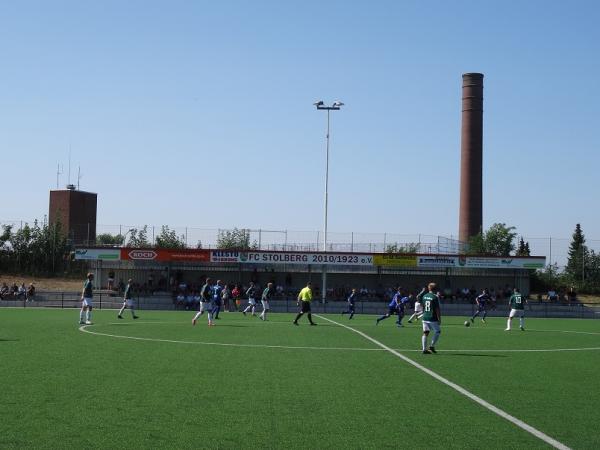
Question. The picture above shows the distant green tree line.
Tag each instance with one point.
(38, 249)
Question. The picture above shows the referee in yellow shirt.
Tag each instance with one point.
(304, 299)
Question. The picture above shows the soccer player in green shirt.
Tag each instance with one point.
(432, 317)
(127, 300)
(517, 307)
(304, 299)
(87, 298)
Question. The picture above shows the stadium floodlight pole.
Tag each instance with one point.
(334, 107)
(125, 235)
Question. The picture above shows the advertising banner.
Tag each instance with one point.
(502, 263)
(481, 262)
(437, 261)
(225, 256)
(165, 255)
(330, 259)
(104, 254)
(393, 260)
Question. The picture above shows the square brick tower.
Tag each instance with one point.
(76, 212)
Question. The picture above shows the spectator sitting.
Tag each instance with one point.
(21, 291)
(14, 290)
(3, 291)
(465, 294)
(364, 292)
(189, 301)
(552, 296)
(180, 299)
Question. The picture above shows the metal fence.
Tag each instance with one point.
(554, 249)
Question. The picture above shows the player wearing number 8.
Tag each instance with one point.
(517, 307)
(432, 317)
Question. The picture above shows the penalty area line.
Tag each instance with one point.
(519, 423)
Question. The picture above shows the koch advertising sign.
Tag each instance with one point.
(109, 254)
(165, 255)
(330, 259)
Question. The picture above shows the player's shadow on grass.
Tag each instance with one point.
(477, 355)
(9, 340)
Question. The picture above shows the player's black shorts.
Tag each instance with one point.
(392, 310)
(351, 307)
(305, 307)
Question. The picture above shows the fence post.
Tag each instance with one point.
(100, 300)
(62, 300)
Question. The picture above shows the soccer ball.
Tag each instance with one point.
(467, 323)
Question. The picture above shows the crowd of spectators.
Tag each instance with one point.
(17, 292)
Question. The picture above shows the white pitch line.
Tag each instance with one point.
(222, 344)
(172, 341)
(535, 432)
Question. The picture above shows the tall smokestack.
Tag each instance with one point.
(470, 220)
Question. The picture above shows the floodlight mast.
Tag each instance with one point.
(334, 107)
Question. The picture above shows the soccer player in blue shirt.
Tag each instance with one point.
(481, 300)
(217, 293)
(351, 301)
(394, 307)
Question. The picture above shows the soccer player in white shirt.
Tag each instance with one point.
(418, 313)
(266, 295)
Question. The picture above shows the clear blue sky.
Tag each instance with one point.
(200, 113)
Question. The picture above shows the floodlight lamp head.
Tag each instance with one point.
(318, 103)
(337, 104)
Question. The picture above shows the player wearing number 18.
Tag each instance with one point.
(432, 317)
(517, 307)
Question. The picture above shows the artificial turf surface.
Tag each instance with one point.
(175, 388)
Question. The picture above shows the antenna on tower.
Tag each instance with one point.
(69, 183)
(59, 172)
(78, 176)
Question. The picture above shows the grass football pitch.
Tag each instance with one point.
(159, 382)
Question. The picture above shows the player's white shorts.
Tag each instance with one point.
(128, 302)
(252, 301)
(431, 326)
(418, 308)
(516, 312)
(87, 302)
(265, 304)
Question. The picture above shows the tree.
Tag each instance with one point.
(410, 247)
(577, 255)
(498, 240)
(138, 238)
(168, 239)
(109, 239)
(33, 249)
(523, 249)
(476, 245)
(550, 277)
(236, 239)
